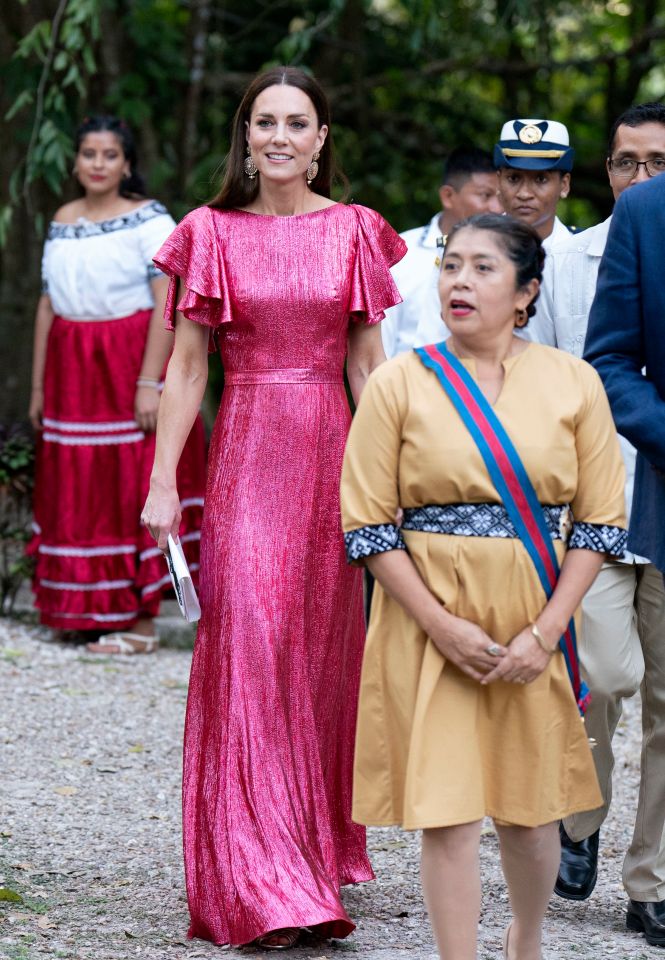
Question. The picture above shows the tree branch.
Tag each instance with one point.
(515, 67)
(39, 108)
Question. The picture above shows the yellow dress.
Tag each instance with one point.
(434, 748)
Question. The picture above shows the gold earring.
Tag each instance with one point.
(313, 169)
(251, 168)
(522, 319)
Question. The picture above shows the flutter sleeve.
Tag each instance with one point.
(378, 248)
(370, 487)
(599, 509)
(193, 253)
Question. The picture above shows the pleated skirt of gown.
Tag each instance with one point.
(271, 714)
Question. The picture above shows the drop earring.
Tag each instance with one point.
(313, 169)
(522, 319)
(250, 167)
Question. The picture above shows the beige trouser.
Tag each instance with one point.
(622, 646)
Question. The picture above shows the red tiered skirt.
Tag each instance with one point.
(97, 568)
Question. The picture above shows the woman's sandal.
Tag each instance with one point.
(279, 939)
(127, 644)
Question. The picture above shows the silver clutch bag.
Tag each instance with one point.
(181, 579)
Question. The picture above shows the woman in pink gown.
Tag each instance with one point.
(290, 285)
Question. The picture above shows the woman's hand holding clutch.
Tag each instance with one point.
(161, 513)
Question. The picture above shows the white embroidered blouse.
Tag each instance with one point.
(102, 270)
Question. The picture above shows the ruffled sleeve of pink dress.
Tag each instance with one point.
(194, 254)
(379, 248)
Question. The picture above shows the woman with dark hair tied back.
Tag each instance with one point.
(287, 284)
(502, 459)
(99, 356)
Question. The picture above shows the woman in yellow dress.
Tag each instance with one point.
(466, 706)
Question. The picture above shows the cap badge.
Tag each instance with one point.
(530, 133)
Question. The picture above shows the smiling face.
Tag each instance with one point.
(478, 286)
(532, 195)
(100, 164)
(283, 133)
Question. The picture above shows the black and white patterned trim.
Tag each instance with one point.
(88, 228)
(599, 537)
(375, 538)
(480, 520)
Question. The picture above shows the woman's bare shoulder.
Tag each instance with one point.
(69, 212)
(75, 210)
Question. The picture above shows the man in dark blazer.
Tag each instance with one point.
(626, 344)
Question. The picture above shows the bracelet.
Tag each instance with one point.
(148, 382)
(541, 640)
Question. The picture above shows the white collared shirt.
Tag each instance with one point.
(538, 324)
(560, 234)
(417, 320)
(569, 286)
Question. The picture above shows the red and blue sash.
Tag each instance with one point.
(511, 481)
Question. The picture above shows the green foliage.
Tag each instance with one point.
(408, 80)
(17, 457)
(54, 61)
(10, 896)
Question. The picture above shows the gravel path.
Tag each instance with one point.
(90, 832)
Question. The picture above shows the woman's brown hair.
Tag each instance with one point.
(237, 189)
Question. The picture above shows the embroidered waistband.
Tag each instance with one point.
(481, 520)
(288, 375)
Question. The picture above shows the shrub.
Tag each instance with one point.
(17, 461)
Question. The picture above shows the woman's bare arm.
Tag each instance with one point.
(184, 387)
(43, 323)
(157, 349)
(364, 354)
(526, 660)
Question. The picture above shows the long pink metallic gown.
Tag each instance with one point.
(271, 713)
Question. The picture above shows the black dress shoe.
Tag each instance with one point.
(649, 919)
(578, 870)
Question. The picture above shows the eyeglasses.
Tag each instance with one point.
(626, 169)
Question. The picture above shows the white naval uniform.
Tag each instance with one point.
(623, 612)
(417, 320)
(560, 234)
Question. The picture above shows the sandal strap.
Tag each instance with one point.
(121, 641)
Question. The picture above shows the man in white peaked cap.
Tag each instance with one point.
(533, 159)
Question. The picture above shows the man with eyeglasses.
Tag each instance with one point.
(622, 644)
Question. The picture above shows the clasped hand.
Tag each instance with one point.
(466, 645)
